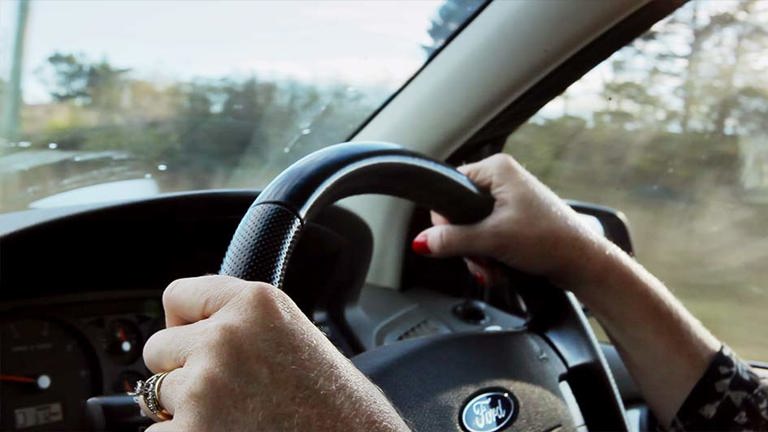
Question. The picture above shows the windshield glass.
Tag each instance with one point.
(121, 99)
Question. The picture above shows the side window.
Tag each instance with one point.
(673, 130)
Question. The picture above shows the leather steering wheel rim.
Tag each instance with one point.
(547, 366)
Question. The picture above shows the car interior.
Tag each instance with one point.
(82, 284)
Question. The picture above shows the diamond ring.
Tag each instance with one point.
(149, 392)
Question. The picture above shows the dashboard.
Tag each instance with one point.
(80, 293)
(57, 354)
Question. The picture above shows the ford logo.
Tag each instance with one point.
(489, 412)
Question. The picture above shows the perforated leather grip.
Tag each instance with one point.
(262, 244)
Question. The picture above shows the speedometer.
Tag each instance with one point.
(46, 376)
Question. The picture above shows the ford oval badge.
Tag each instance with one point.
(489, 412)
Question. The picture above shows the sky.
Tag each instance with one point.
(363, 43)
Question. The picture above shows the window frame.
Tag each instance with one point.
(490, 139)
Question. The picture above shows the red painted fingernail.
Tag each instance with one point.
(420, 246)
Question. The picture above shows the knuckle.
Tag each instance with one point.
(223, 341)
(264, 299)
(499, 159)
(503, 161)
(171, 291)
(208, 380)
(148, 353)
(158, 359)
(149, 345)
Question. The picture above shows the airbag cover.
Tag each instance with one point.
(430, 380)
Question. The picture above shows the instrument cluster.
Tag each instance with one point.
(54, 356)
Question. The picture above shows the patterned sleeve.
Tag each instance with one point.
(728, 397)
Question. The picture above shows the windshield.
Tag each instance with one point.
(113, 100)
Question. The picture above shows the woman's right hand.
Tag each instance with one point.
(534, 231)
(530, 229)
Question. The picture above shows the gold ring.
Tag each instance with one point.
(149, 392)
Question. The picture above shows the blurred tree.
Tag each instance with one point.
(692, 58)
(220, 123)
(692, 67)
(76, 79)
(743, 34)
(449, 18)
(639, 106)
(751, 110)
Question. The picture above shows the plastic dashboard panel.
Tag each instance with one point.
(146, 244)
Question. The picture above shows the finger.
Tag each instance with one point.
(479, 172)
(166, 426)
(168, 395)
(484, 173)
(438, 219)
(171, 390)
(193, 299)
(147, 412)
(169, 349)
(449, 240)
(478, 271)
(486, 273)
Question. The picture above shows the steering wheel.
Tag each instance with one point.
(549, 375)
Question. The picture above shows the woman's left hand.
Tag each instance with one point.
(242, 356)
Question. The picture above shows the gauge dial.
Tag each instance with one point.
(123, 341)
(46, 375)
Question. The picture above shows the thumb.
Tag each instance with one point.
(447, 240)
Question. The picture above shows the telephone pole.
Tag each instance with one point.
(9, 124)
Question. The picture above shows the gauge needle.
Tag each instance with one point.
(18, 379)
(125, 344)
(42, 381)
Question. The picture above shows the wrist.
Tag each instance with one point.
(588, 260)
